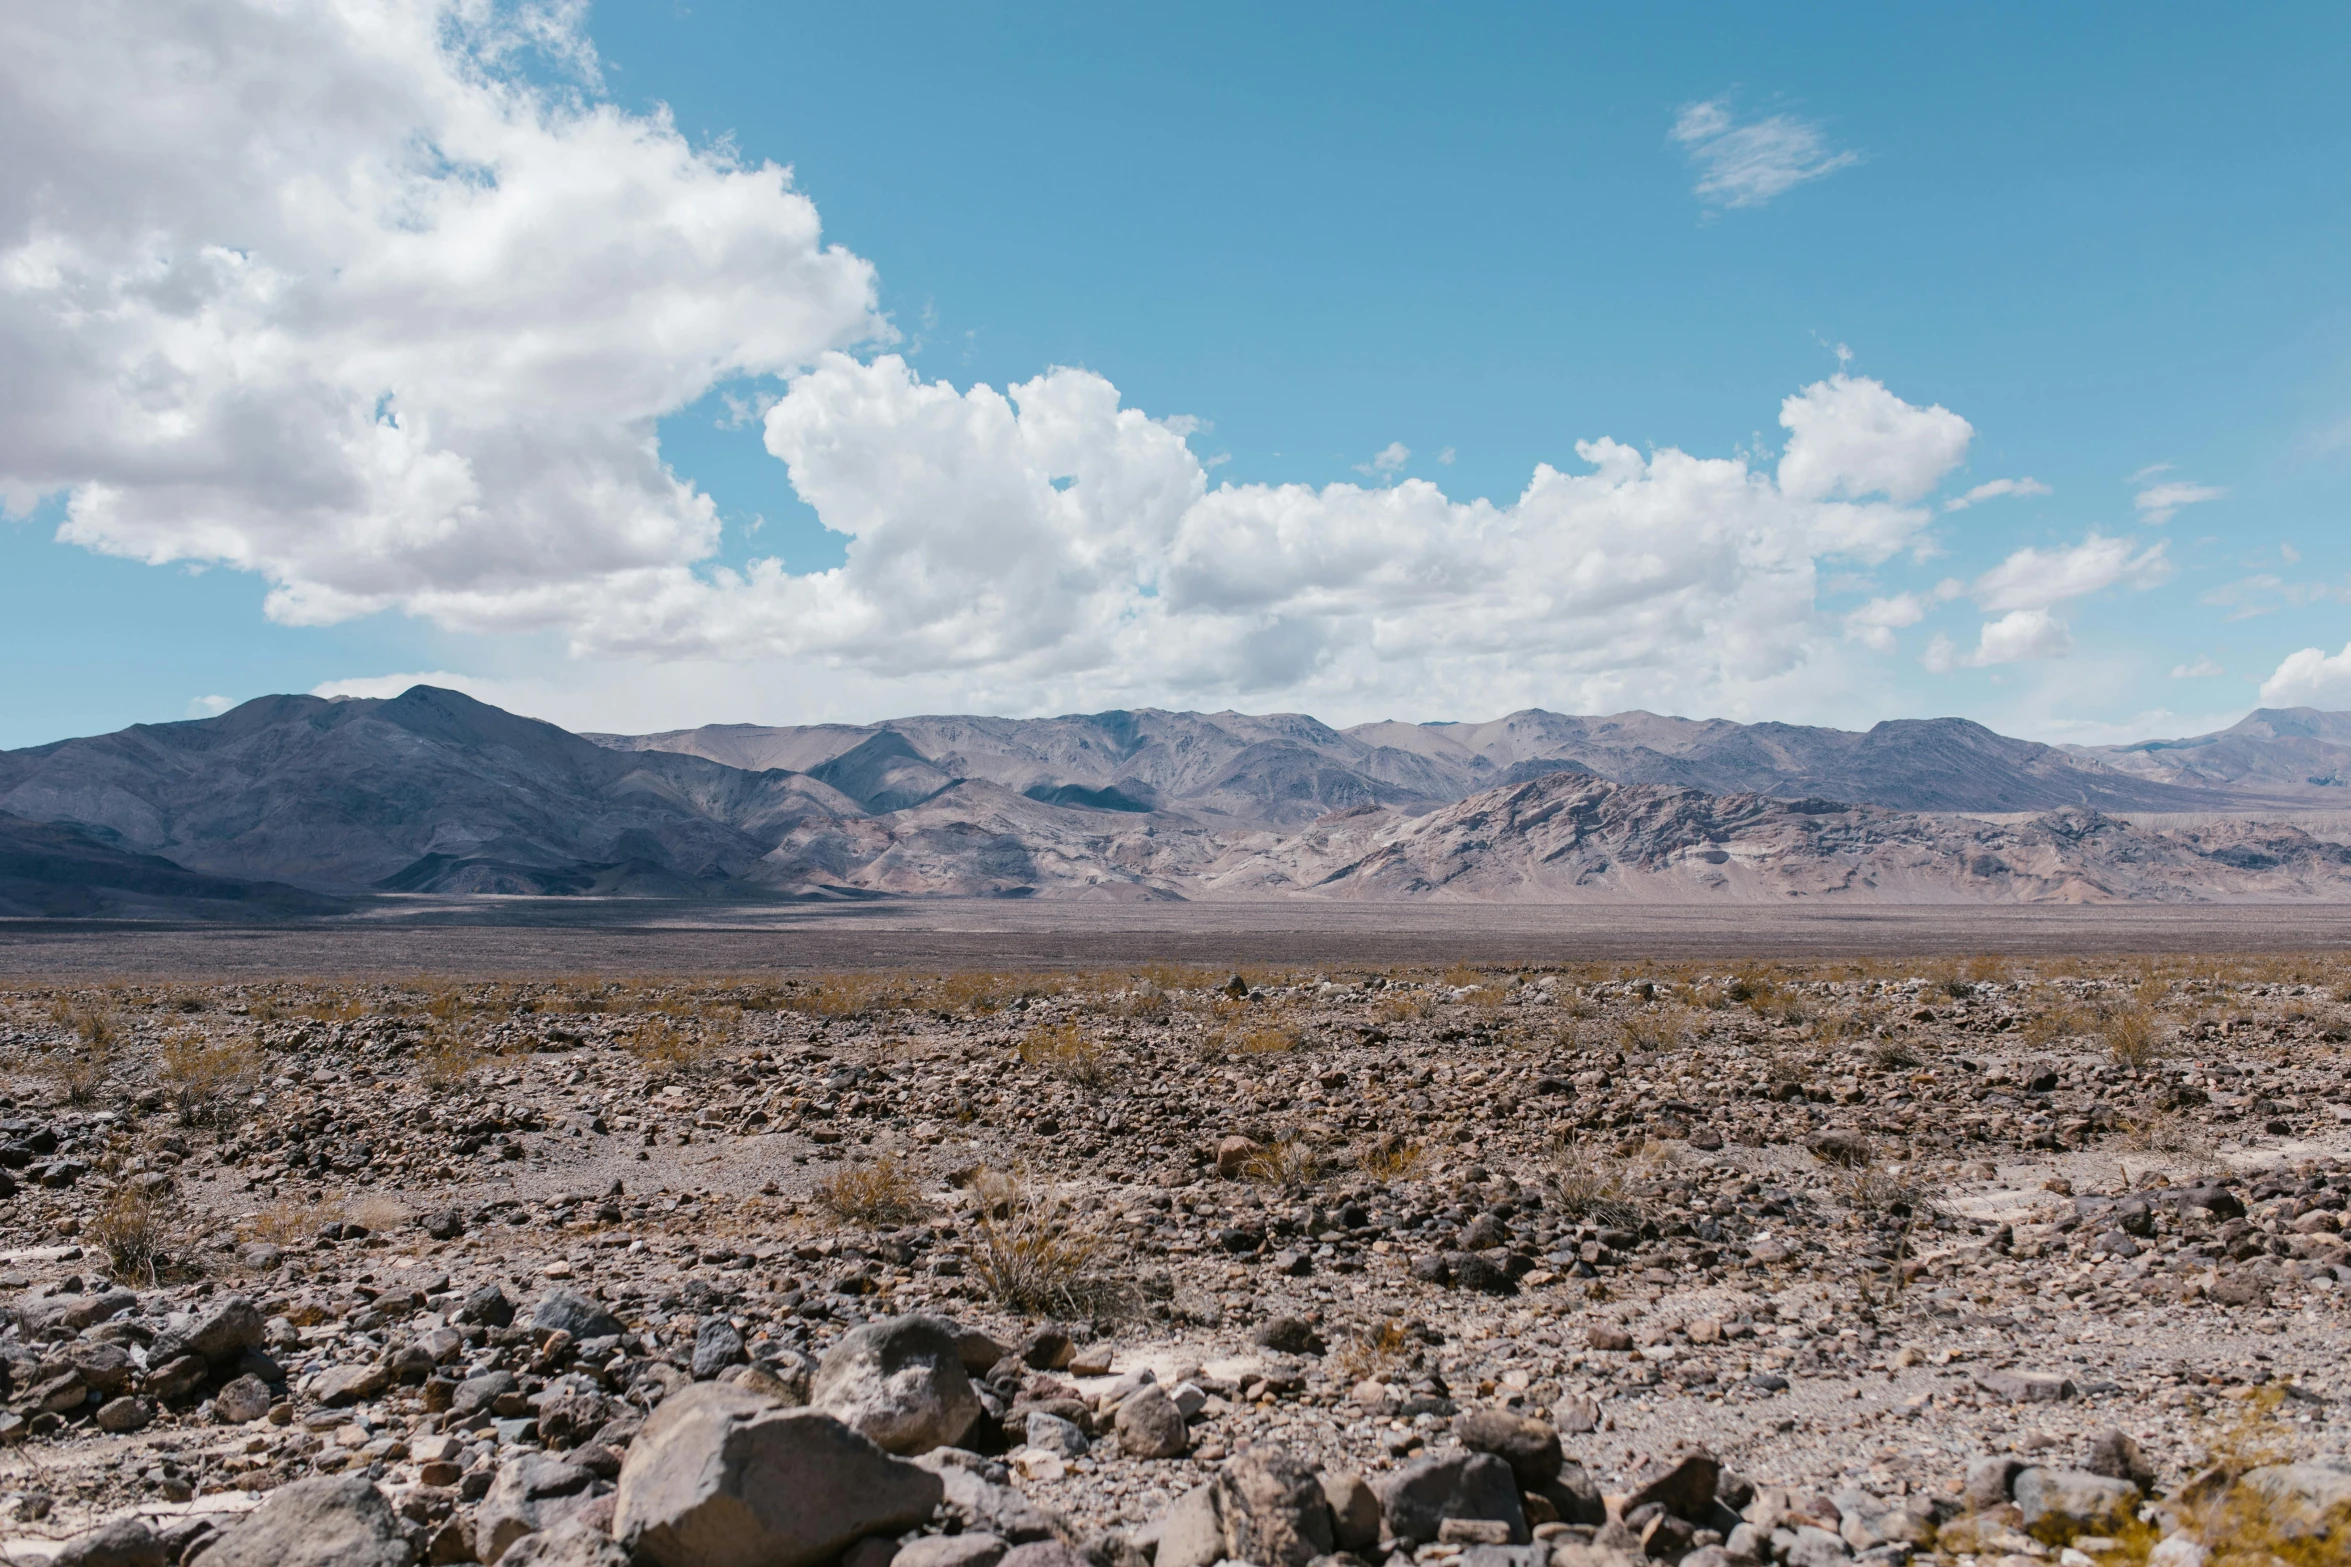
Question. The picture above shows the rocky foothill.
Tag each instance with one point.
(1846, 1263)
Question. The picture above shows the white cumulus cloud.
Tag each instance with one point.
(327, 292)
(333, 294)
(1993, 490)
(2310, 678)
(2024, 591)
(2159, 503)
(1747, 163)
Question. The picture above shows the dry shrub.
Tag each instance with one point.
(1653, 1030)
(2168, 1132)
(134, 1229)
(1270, 1040)
(1894, 1055)
(2047, 1025)
(843, 996)
(883, 1192)
(80, 1069)
(666, 1050)
(1594, 1187)
(284, 1223)
(335, 1009)
(208, 1082)
(444, 1062)
(1031, 1254)
(1286, 1161)
(1066, 1051)
(1373, 1356)
(1390, 1159)
(1398, 1007)
(381, 1213)
(2133, 1038)
(1869, 1190)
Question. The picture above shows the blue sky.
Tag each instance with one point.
(2110, 238)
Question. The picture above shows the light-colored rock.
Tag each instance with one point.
(721, 1477)
(1355, 1512)
(899, 1383)
(331, 1521)
(530, 1493)
(243, 1399)
(570, 1544)
(1419, 1496)
(1150, 1425)
(120, 1542)
(2068, 1502)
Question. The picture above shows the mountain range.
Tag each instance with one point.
(286, 802)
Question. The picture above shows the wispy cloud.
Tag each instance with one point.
(209, 706)
(1995, 489)
(2026, 589)
(1745, 164)
(2159, 503)
(2201, 669)
(1388, 461)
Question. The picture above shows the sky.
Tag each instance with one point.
(652, 364)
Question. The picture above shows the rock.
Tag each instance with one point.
(571, 1410)
(1043, 1553)
(1233, 1155)
(330, 1521)
(342, 1385)
(489, 1305)
(119, 1542)
(951, 1550)
(568, 1311)
(1576, 1415)
(175, 1380)
(717, 1345)
(1809, 1546)
(1291, 1336)
(900, 1383)
(37, 1315)
(977, 1499)
(1991, 1481)
(478, 1393)
(2305, 1501)
(1473, 1271)
(876, 1551)
(124, 1414)
(1055, 1435)
(243, 1399)
(2026, 1387)
(1419, 1496)
(260, 1256)
(1262, 1506)
(220, 1335)
(530, 1493)
(2117, 1455)
(977, 1351)
(1529, 1446)
(1849, 1149)
(1574, 1496)
(2063, 1503)
(1684, 1489)
(724, 1478)
(1150, 1425)
(444, 1224)
(569, 1544)
(1355, 1512)
(1608, 1336)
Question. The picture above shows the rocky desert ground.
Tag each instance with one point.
(1983, 1260)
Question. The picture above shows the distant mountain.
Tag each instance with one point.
(1285, 770)
(49, 870)
(432, 792)
(429, 791)
(2274, 756)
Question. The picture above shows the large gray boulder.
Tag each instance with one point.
(1419, 1496)
(120, 1542)
(898, 1383)
(1150, 1425)
(220, 1334)
(571, 1544)
(530, 1493)
(1355, 1512)
(331, 1521)
(1261, 1506)
(576, 1314)
(721, 1477)
(2070, 1502)
(1529, 1446)
(2305, 1501)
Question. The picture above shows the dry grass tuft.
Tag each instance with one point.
(1067, 1051)
(284, 1223)
(444, 1062)
(1390, 1159)
(2133, 1038)
(1286, 1161)
(2168, 1132)
(666, 1050)
(1373, 1356)
(208, 1083)
(80, 1070)
(883, 1192)
(1031, 1254)
(1595, 1187)
(135, 1230)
